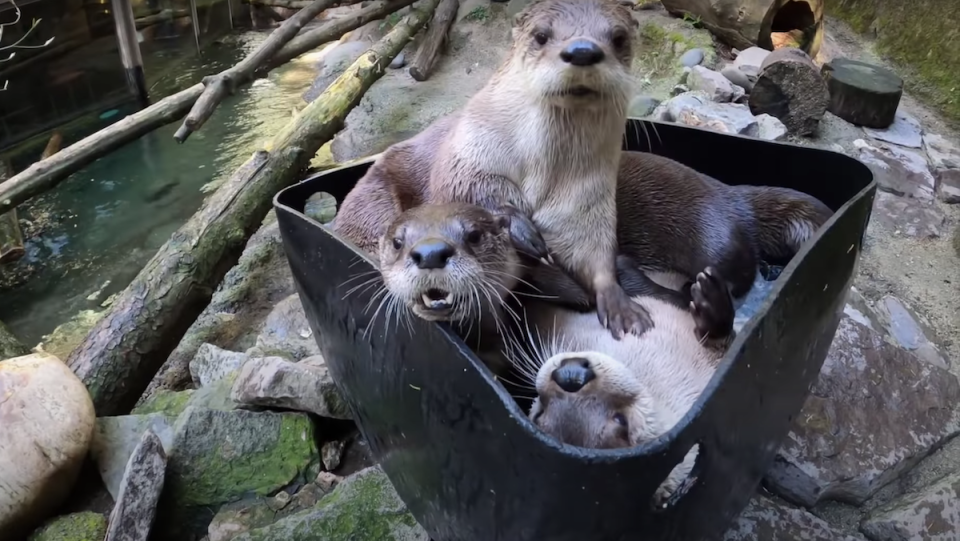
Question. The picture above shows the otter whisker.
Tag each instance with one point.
(373, 298)
(368, 283)
(374, 316)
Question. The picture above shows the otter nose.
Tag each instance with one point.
(582, 52)
(573, 374)
(432, 254)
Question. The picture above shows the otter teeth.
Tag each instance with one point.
(434, 301)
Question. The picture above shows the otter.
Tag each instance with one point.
(539, 142)
(595, 392)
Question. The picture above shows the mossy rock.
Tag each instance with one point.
(169, 403)
(363, 507)
(68, 336)
(85, 526)
(920, 37)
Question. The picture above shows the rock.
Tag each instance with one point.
(770, 128)
(905, 131)
(398, 61)
(363, 506)
(691, 58)
(862, 94)
(931, 514)
(116, 438)
(328, 480)
(642, 106)
(47, 421)
(738, 77)
(140, 488)
(945, 162)
(67, 336)
(948, 186)
(321, 206)
(875, 412)
(897, 171)
(235, 518)
(790, 88)
(278, 502)
(711, 83)
(212, 364)
(286, 331)
(750, 61)
(697, 109)
(169, 403)
(85, 526)
(908, 217)
(278, 383)
(9, 345)
(331, 453)
(679, 89)
(904, 326)
(765, 519)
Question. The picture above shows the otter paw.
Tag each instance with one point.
(712, 305)
(619, 314)
(525, 236)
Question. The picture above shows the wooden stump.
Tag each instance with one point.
(433, 40)
(861, 93)
(791, 89)
(745, 23)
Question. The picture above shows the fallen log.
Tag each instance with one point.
(333, 30)
(125, 349)
(289, 4)
(160, 16)
(217, 87)
(745, 23)
(791, 89)
(434, 38)
(45, 174)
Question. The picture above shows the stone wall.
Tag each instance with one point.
(921, 35)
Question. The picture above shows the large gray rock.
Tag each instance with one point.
(738, 77)
(695, 108)
(305, 386)
(898, 171)
(770, 128)
(909, 330)
(116, 439)
(905, 131)
(875, 412)
(945, 163)
(212, 364)
(908, 217)
(363, 506)
(140, 489)
(750, 60)
(932, 514)
(287, 333)
(765, 519)
(713, 84)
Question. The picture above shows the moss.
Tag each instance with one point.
(167, 402)
(920, 37)
(658, 49)
(86, 526)
(479, 14)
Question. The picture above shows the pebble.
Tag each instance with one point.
(712, 83)
(692, 58)
(749, 61)
(398, 61)
(737, 77)
(770, 128)
(679, 89)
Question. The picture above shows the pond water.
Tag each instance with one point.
(99, 227)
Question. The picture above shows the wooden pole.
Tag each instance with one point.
(429, 50)
(130, 50)
(126, 348)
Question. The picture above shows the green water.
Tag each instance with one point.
(106, 221)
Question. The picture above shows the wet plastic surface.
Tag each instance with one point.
(462, 454)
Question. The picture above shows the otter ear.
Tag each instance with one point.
(502, 222)
(523, 15)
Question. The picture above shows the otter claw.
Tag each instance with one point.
(712, 305)
(525, 236)
(620, 315)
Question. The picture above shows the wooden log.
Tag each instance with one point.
(791, 89)
(745, 23)
(433, 39)
(217, 87)
(332, 30)
(861, 93)
(11, 238)
(289, 4)
(126, 348)
(160, 16)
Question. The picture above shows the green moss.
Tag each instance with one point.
(86, 526)
(479, 14)
(920, 37)
(167, 402)
(658, 49)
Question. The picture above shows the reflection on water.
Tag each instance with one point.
(107, 220)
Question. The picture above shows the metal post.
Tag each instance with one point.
(196, 24)
(230, 12)
(130, 49)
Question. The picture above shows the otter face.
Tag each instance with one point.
(575, 53)
(591, 400)
(445, 261)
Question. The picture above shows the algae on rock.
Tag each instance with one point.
(85, 526)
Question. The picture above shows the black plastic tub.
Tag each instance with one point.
(462, 454)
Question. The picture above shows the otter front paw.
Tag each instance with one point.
(619, 314)
(712, 305)
(524, 234)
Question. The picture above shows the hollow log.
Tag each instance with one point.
(791, 89)
(861, 93)
(745, 23)
(332, 30)
(217, 87)
(433, 39)
(126, 348)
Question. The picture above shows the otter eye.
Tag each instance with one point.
(541, 37)
(474, 236)
(397, 243)
(619, 39)
(620, 419)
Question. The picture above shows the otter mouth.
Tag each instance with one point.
(437, 300)
(579, 91)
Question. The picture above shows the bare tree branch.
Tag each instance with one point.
(17, 44)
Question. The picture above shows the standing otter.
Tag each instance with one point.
(542, 140)
(596, 392)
